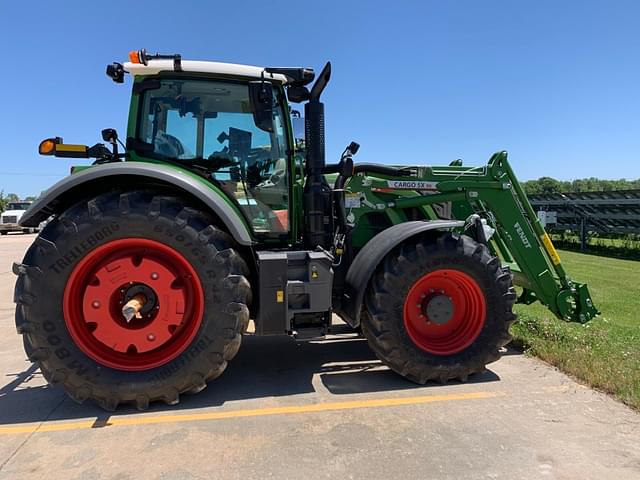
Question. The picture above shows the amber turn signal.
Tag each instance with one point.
(47, 147)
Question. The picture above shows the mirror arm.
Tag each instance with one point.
(101, 153)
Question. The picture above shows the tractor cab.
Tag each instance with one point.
(206, 125)
(228, 123)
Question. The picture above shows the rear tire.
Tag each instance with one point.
(203, 305)
(439, 310)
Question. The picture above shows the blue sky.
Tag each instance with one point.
(556, 83)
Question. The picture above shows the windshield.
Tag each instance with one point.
(208, 125)
(18, 205)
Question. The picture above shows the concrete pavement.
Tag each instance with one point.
(323, 409)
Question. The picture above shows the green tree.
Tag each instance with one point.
(545, 185)
(12, 197)
(549, 185)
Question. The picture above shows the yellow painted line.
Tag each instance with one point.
(132, 420)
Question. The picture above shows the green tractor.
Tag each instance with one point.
(141, 286)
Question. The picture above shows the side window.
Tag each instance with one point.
(208, 125)
(297, 122)
(258, 179)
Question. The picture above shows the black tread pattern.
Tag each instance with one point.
(223, 274)
(383, 324)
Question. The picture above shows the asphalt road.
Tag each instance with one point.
(324, 409)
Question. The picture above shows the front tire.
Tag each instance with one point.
(91, 259)
(439, 310)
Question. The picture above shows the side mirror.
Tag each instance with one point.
(115, 71)
(109, 135)
(261, 98)
(297, 94)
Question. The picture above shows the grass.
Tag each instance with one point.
(604, 353)
(629, 241)
(626, 246)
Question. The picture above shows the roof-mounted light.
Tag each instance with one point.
(142, 57)
(138, 56)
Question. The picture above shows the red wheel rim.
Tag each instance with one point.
(444, 312)
(96, 292)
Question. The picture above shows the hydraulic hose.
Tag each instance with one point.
(380, 169)
(369, 167)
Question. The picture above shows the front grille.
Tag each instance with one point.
(10, 219)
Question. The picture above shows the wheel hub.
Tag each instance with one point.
(113, 274)
(438, 309)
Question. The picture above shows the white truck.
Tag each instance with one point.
(11, 216)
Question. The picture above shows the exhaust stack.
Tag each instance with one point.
(317, 193)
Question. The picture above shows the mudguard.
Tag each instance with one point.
(372, 254)
(91, 180)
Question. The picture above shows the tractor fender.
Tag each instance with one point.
(88, 182)
(368, 259)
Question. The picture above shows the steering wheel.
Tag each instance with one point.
(273, 181)
(168, 145)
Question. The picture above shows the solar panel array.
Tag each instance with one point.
(616, 212)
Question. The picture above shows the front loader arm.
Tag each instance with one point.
(493, 193)
(522, 242)
(540, 273)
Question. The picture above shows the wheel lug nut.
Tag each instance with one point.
(151, 337)
(95, 304)
(154, 276)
